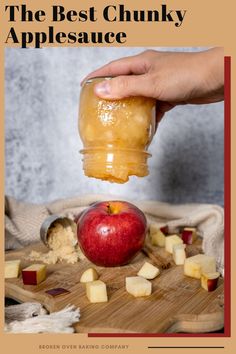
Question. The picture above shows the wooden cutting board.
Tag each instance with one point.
(177, 304)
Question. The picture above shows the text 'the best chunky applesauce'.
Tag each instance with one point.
(115, 134)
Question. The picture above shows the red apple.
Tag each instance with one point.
(111, 233)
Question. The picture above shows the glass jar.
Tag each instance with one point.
(115, 134)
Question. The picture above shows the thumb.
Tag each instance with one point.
(126, 86)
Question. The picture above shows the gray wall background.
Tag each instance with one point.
(42, 160)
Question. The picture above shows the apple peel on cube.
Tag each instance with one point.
(179, 254)
(165, 230)
(171, 241)
(189, 235)
(157, 235)
(96, 291)
(196, 265)
(138, 286)
(209, 281)
(148, 271)
(12, 269)
(34, 274)
(89, 274)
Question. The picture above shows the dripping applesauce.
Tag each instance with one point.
(115, 134)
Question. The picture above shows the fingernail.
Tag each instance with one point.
(103, 88)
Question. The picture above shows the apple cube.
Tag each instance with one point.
(171, 241)
(12, 269)
(89, 275)
(157, 236)
(189, 235)
(179, 253)
(138, 286)
(148, 271)
(34, 274)
(96, 291)
(196, 265)
(209, 281)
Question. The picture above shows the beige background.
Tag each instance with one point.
(207, 23)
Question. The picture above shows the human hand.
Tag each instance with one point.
(172, 78)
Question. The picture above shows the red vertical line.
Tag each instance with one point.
(227, 192)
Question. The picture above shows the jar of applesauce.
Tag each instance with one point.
(115, 134)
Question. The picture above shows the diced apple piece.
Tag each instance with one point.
(158, 239)
(179, 253)
(209, 281)
(138, 286)
(157, 235)
(189, 235)
(12, 269)
(96, 291)
(196, 265)
(171, 241)
(89, 275)
(34, 274)
(148, 271)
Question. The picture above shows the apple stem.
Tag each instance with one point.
(109, 209)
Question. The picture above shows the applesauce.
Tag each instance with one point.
(115, 134)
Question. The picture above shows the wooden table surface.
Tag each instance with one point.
(177, 303)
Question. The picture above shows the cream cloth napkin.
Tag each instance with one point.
(23, 221)
(31, 317)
